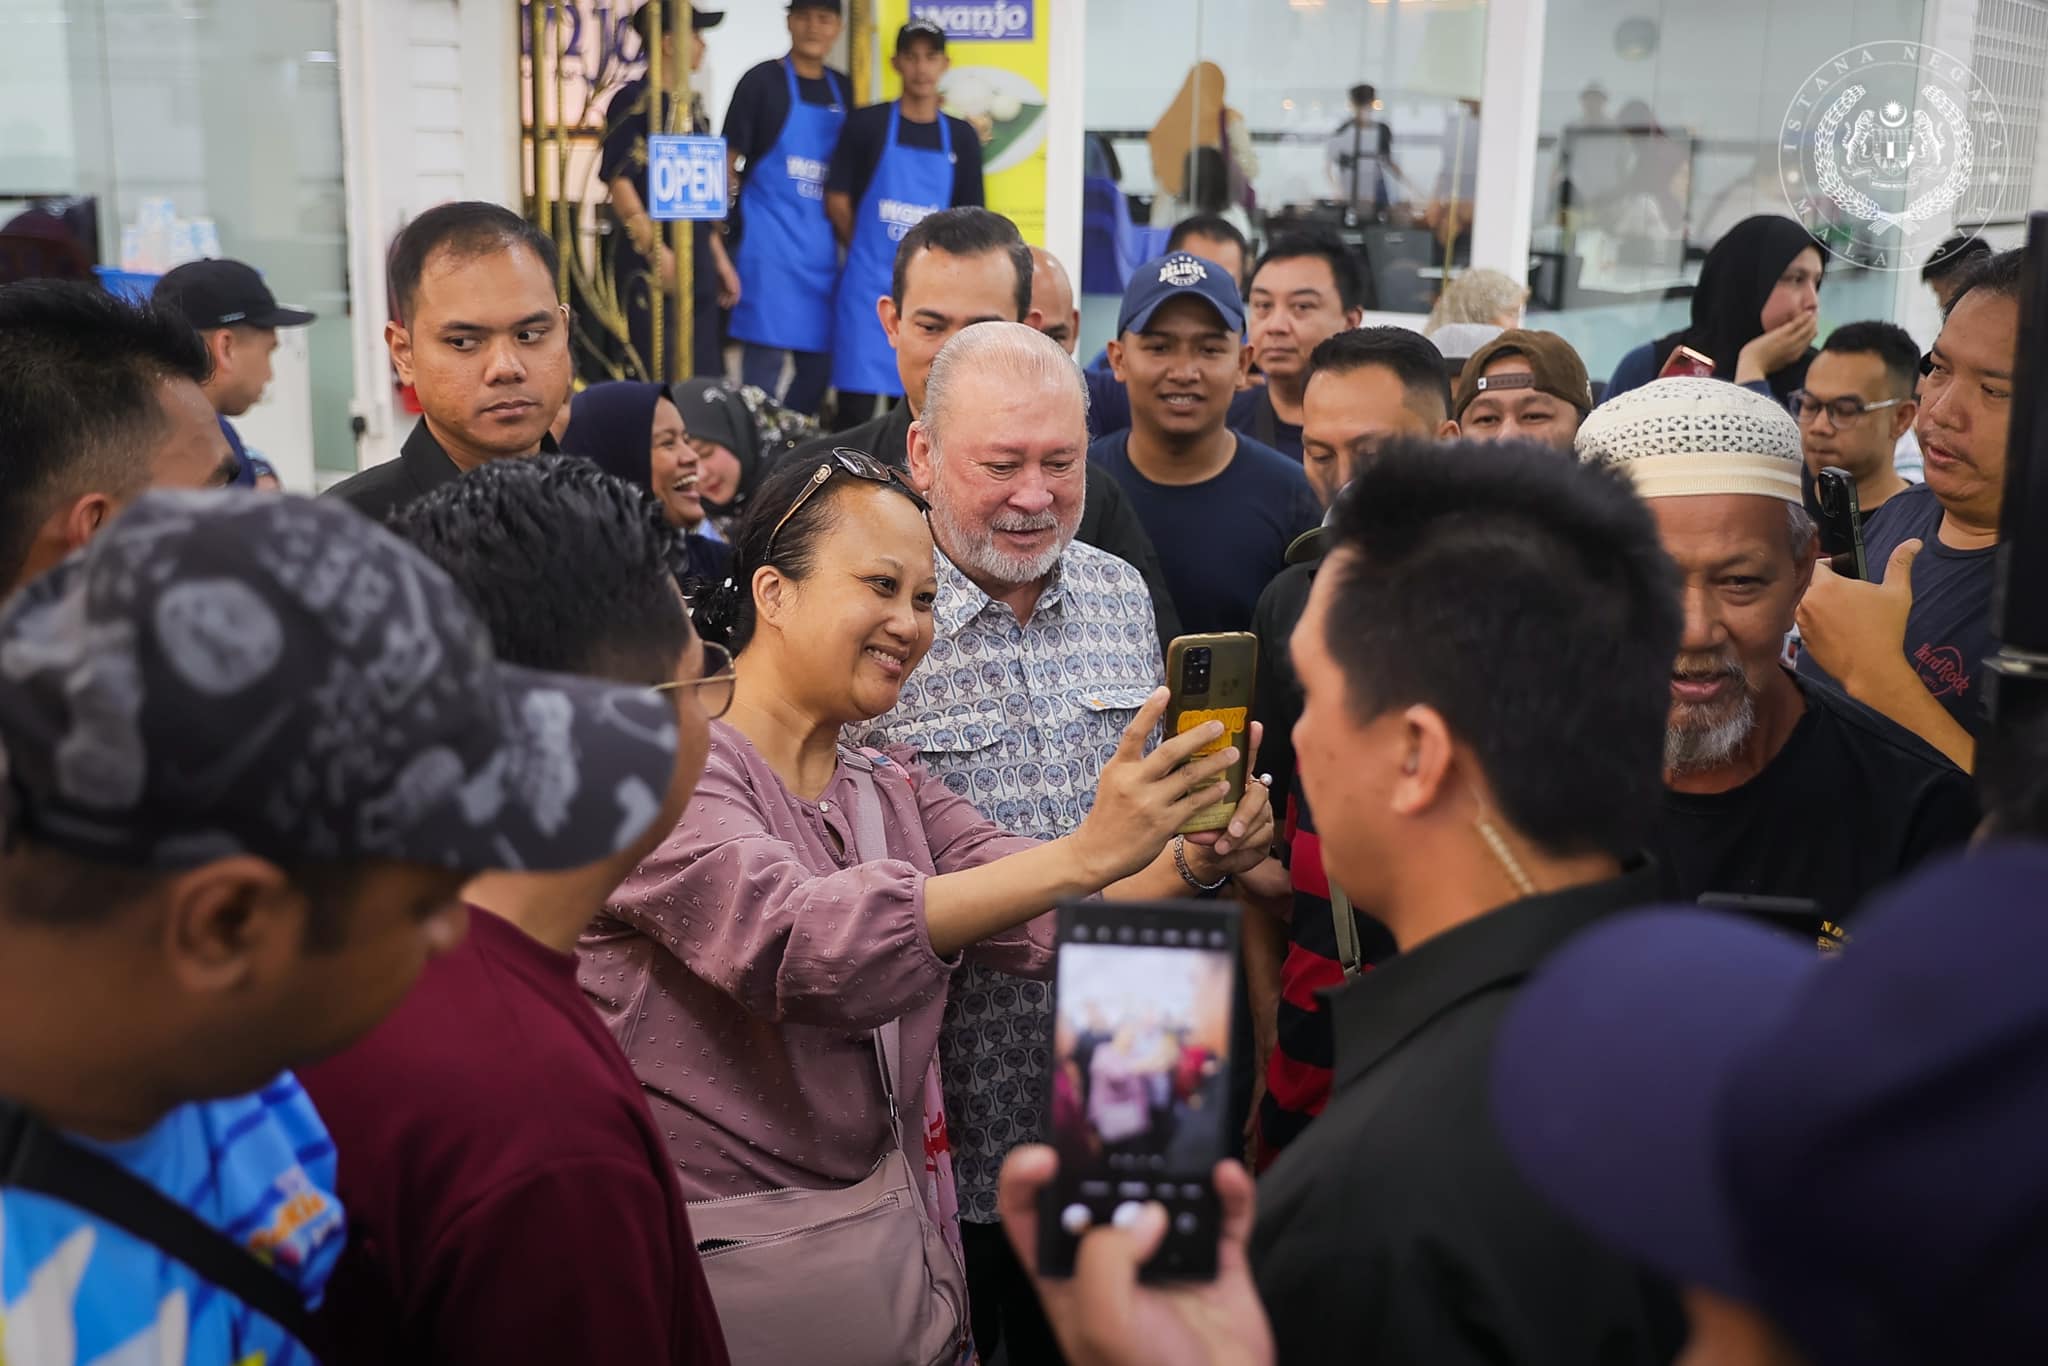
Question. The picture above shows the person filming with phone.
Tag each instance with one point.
(1912, 645)
(777, 971)
(1774, 784)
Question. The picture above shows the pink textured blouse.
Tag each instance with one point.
(746, 963)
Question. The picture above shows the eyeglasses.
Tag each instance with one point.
(1840, 411)
(860, 465)
(716, 681)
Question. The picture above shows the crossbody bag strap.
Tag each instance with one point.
(1350, 953)
(870, 841)
(35, 1157)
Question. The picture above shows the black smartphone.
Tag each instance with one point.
(1799, 916)
(1841, 522)
(1138, 1099)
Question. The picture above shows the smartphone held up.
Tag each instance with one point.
(1211, 678)
(1137, 1102)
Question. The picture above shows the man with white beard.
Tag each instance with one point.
(1776, 786)
(1043, 649)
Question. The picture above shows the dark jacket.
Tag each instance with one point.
(1395, 1230)
(421, 467)
(1107, 522)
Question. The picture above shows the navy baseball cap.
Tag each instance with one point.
(1849, 1143)
(1169, 277)
(217, 292)
(231, 672)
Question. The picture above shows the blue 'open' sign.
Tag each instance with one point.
(685, 176)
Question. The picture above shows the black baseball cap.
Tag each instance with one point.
(221, 293)
(1169, 277)
(643, 19)
(1848, 1143)
(229, 672)
(920, 29)
(833, 5)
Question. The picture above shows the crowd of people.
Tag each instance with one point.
(583, 889)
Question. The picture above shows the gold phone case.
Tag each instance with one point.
(1233, 671)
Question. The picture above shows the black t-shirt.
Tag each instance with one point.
(760, 104)
(624, 153)
(1252, 413)
(860, 149)
(1220, 541)
(1948, 630)
(1851, 802)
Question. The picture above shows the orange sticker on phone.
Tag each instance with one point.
(1233, 719)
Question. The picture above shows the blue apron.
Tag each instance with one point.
(909, 183)
(788, 257)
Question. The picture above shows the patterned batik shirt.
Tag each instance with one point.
(1020, 721)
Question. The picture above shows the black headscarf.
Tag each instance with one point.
(1728, 303)
(612, 425)
(712, 411)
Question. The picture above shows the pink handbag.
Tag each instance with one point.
(858, 1276)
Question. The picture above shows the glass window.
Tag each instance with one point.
(217, 126)
(1661, 128)
(1246, 108)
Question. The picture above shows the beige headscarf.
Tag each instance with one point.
(1194, 119)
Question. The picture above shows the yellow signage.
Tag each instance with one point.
(1000, 71)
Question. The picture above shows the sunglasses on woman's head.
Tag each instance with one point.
(860, 465)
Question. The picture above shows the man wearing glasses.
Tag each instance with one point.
(1857, 406)
(508, 1196)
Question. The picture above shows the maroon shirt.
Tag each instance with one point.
(508, 1198)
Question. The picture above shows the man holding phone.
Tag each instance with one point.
(1774, 785)
(999, 450)
(1484, 827)
(1857, 403)
(1912, 646)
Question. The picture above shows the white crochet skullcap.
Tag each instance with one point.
(1681, 436)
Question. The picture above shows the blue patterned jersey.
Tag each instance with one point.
(78, 1292)
(1020, 721)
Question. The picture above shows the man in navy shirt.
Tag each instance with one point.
(1913, 645)
(1219, 507)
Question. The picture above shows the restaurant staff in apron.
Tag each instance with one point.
(896, 163)
(784, 124)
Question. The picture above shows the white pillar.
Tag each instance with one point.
(1066, 149)
(1508, 111)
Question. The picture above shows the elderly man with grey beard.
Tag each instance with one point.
(1782, 795)
(1043, 649)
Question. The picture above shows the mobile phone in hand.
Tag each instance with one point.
(1841, 522)
(1137, 1102)
(1212, 678)
(1685, 361)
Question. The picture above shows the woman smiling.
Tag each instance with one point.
(807, 915)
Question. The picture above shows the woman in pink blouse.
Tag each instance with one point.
(746, 964)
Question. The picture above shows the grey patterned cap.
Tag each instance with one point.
(236, 672)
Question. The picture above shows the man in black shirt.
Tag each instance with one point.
(1856, 404)
(1483, 660)
(1775, 786)
(895, 163)
(1913, 645)
(483, 340)
(1306, 287)
(1366, 387)
(954, 269)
